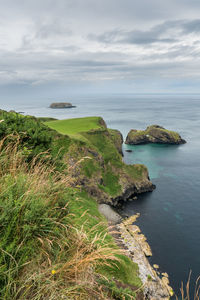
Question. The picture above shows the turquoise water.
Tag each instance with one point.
(170, 215)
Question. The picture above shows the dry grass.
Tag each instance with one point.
(72, 275)
(65, 258)
(186, 292)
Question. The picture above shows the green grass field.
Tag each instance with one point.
(73, 127)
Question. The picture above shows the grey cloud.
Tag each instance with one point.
(40, 68)
(78, 40)
(191, 26)
(156, 34)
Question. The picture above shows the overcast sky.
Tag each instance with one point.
(109, 45)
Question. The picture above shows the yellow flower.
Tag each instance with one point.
(53, 272)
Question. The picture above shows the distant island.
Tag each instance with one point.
(153, 134)
(61, 105)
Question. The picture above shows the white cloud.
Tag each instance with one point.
(75, 40)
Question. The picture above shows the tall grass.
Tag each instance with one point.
(186, 291)
(42, 255)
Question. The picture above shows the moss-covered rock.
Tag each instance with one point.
(153, 134)
(117, 138)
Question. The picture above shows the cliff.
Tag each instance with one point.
(102, 174)
(153, 134)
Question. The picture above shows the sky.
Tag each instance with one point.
(132, 46)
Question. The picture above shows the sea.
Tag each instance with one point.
(170, 215)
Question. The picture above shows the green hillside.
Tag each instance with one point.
(54, 243)
(73, 127)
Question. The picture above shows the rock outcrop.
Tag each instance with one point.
(117, 139)
(153, 134)
(138, 249)
(61, 105)
(110, 181)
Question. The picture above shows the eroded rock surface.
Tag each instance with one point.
(109, 213)
(154, 287)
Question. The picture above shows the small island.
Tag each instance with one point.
(153, 134)
(61, 105)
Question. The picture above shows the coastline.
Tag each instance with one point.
(130, 239)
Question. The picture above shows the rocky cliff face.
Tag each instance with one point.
(102, 173)
(117, 139)
(153, 134)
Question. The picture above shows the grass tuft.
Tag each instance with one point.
(186, 292)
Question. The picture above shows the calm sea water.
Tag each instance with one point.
(170, 215)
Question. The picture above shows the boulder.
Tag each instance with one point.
(153, 134)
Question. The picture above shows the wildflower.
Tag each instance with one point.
(53, 272)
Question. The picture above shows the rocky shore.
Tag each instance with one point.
(153, 134)
(130, 239)
(155, 287)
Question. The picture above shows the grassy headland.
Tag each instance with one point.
(54, 243)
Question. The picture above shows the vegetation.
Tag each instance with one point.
(105, 167)
(73, 127)
(34, 138)
(186, 292)
(153, 134)
(137, 172)
(54, 243)
(46, 119)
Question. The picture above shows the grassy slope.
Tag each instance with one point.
(92, 132)
(95, 135)
(37, 208)
(83, 129)
(73, 127)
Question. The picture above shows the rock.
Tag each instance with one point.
(153, 134)
(141, 239)
(16, 112)
(165, 274)
(128, 150)
(117, 139)
(131, 179)
(61, 105)
(154, 287)
(165, 280)
(110, 214)
(156, 266)
(132, 219)
(133, 229)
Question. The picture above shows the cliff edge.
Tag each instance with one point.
(102, 172)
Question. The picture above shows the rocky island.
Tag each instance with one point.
(61, 105)
(153, 134)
